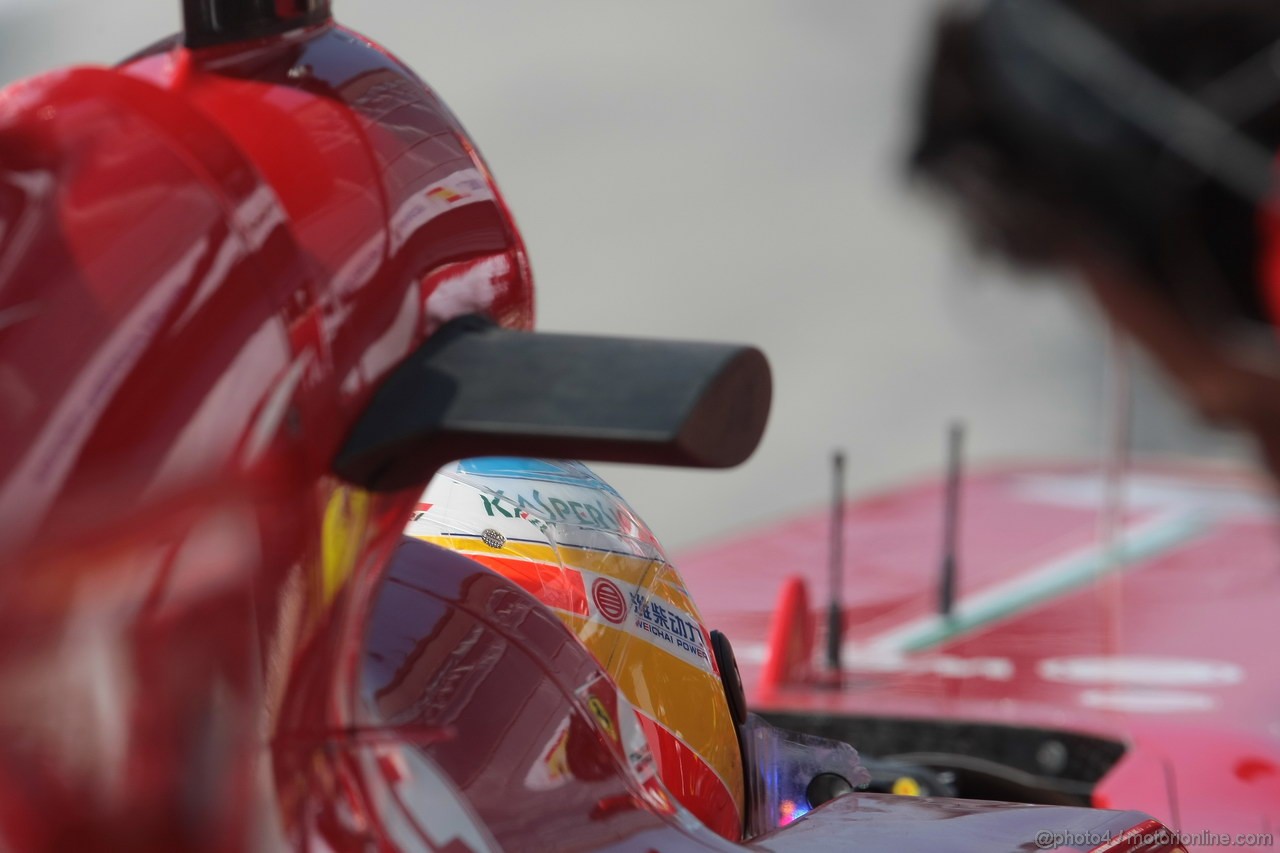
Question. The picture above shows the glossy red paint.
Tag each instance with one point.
(458, 657)
(210, 258)
(462, 650)
(208, 261)
(709, 799)
(1173, 656)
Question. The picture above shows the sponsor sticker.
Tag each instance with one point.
(643, 615)
(601, 713)
(551, 770)
(609, 601)
(669, 625)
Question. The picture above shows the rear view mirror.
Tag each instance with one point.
(474, 389)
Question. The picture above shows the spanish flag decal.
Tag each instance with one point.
(444, 194)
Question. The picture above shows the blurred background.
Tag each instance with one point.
(730, 170)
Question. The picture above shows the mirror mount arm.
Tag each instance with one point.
(475, 389)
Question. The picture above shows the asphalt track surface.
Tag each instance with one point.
(730, 170)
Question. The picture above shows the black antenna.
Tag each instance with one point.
(951, 519)
(835, 606)
(211, 22)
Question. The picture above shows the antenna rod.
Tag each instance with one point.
(951, 519)
(835, 607)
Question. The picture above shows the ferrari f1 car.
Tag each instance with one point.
(1032, 660)
(256, 286)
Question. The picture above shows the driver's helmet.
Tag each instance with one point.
(567, 537)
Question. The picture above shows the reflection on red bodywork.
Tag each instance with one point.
(208, 261)
(454, 646)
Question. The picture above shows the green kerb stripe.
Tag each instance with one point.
(1051, 581)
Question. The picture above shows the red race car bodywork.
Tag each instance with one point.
(1136, 675)
(212, 261)
(230, 273)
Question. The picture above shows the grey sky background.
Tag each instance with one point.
(729, 170)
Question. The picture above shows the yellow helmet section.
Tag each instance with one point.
(564, 535)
